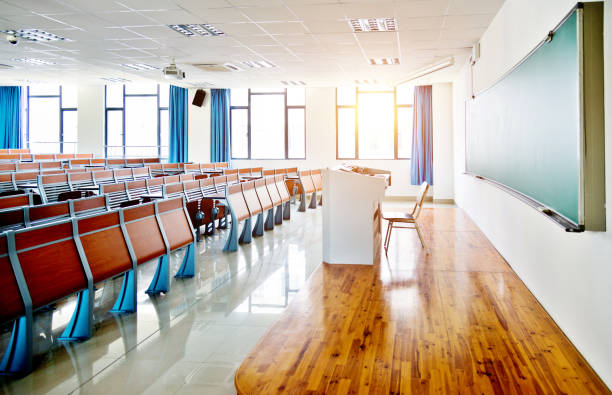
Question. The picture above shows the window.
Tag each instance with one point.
(51, 119)
(374, 124)
(268, 124)
(137, 121)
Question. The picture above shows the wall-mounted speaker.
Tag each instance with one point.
(198, 98)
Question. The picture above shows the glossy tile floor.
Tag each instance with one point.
(190, 340)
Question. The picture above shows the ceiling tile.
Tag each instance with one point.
(283, 27)
(319, 12)
(218, 15)
(422, 8)
(328, 27)
(41, 7)
(369, 10)
(171, 17)
(463, 7)
(12, 9)
(467, 21)
(198, 3)
(239, 29)
(82, 21)
(264, 39)
(142, 5)
(269, 14)
(420, 23)
(34, 22)
(126, 18)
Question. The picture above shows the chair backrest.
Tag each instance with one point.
(150, 160)
(207, 185)
(154, 185)
(241, 172)
(207, 166)
(123, 175)
(51, 186)
(135, 189)
(11, 302)
(317, 180)
(16, 201)
(64, 156)
(77, 170)
(115, 163)
(25, 157)
(172, 190)
(4, 151)
(28, 166)
(221, 165)
(280, 171)
(50, 172)
(43, 156)
(103, 177)
(51, 165)
(6, 182)
(283, 192)
(156, 168)
(19, 150)
(7, 167)
(83, 156)
(104, 245)
(262, 194)
(172, 179)
(141, 173)
(232, 179)
(292, 171)
(306, 181)
(193, 168)
(45, 213)
(134, 161)
(416, 210)
(220, 183)
(25, 177)
(50, 262)
(192, 191)
(267, 173)
(273, 191)
(89, 205)
(77, 180)
(10, 157)
(98, 162)
(145, 236)
(227, 172)
(237, 202)
(250, 197)
(13, 218)
(257, 171)
(117, 194)
(175, 222)
(186, 177)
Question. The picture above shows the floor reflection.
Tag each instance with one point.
(191, 339)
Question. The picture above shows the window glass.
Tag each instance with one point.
(346, 133)
(141, 89)
(404, 132)
(164, 130)
(296, 133)
(44, 90)
(44, 128)
(114, 133)
(70, 127)
(164, 95)
(240, 133)
(239, 97)
(296, 96)
(69, 96)
(405, 94)
(376, 125)
(267, 127)
(346, 96)
(114, 95)
(141, 126)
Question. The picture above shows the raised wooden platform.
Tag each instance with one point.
(458, 320)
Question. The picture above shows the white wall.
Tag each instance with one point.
(199, 130)
(90, 120)
(570, 274)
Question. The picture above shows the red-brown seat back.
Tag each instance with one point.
(232, 179)
(236, 200)
(43, 157)
(28, 166)
(141, 173)
(306, 181)
(221, 165)
(172, 179)
(123, 175)
(8, 167)
(83, 156)
(11, 303)
(228, 172)
(144, 233)
(175, 221)
(267, 173)
(104, 177)
(15, 201)
(154, 185)
(48, 212)
(89, 205)
(50, 165)
(173, 190)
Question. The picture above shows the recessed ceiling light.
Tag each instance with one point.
(35, 61)
(34, 35)
(115, 80)
(6, 66)
(366, 82)
(191, 30)
(373, 25)
(139, 66)
(258, 64)
(294, 83)
(384, 61)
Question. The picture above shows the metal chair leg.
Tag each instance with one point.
(388, 236)
(418, 229)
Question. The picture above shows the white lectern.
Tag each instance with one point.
(351, 217)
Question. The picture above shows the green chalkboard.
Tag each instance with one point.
(524, 132)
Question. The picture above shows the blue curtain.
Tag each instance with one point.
(178, 111)
(220, 126)
(422, 137)
(10, 117)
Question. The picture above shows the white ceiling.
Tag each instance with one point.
(308, 40)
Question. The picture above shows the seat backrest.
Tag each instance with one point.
(104, 245)
(232, 179)
(141, 173)
(51, 186)
(227, 172)
(156, 168)
(317, 180)
(25, 177)
(11, 302)
(416, 210)
(78, 163)
(283, 192)
(175, 221)
(115, 163)
(134, 161)
(13, 218)
(273, 191)
(89, 205)
(241, 172)
(267, 173)
(150, 160)
(172, 179)
(172, 190)
(192, 191)
(10, 157)
(250, 197)
(4, 151)
(306, 181)
(50, 262)
(28, 166)
(207, 166)
(220, 183)
(64, 156)
(143, 230)
(83, 156)
(45, 213)
(77, 170)
(236, 200)
(207, 185)
(221, 165)
(6, 182)
(135, 189)
(117, 194)
(98, 162)
(154, 185)
(292, 171)
(15, 201)
(7, 167)
(50, 172)
(103, 177)
(186, 177)
(193, 168)
(51, 165)
(43, 157)
(123, 175)
(257, 171)
(262, 194)
(77, 180)
(280, 171)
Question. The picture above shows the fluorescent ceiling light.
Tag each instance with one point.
(139, 66)
(384, 61)
(430, 69)
(294, 83)
(258, 64)
(115, 80)
(34, 35)
(366, 82)
(34, 61)
(191, 30)
(363, 25)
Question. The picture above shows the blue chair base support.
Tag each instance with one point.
(313, 200)
(287, 211)
(258, 230)
(126, 301)
(187, 269)
(270, 220)
(80, 326)
(245, 237)
(231, 244)
(17, 358)
(278, 219)
(161, 279)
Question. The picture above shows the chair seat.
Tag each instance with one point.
(397, 216)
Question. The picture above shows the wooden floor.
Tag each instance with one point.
(458, 320)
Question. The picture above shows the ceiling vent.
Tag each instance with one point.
(192, 30)
(364, 25)
(258, 64)
(384, 61)
(34, 35)
(115, 80)
(217, 67)
(293, 83)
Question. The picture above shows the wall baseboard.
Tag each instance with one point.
(428, 199)
(444, 201)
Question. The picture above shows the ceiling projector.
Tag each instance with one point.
(172, 72)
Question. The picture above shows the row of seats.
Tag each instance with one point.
(30, 166)
(14, 150)
(43, 264)
(14, 157)
(204, 168)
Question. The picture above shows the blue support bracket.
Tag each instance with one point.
(231, 244)
(161, 279)
(270, 220)
(258, 230)
(80, 326)
(126, 301)
(187, 268)
(17, 358)
(245, 237)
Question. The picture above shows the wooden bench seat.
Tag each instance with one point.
(239, 212)
(12, 201)
(254, 206)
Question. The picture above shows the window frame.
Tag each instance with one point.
(355, 107)
(287, 108)
(122, 109)
(61, 111)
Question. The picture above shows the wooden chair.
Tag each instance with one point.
(47, 213)
(277, 201)
(317, 180)
(89, 205)
(193, 168)
(239, 212)
(7, 184)
(410, 219)
(80, 180)
(54, 188)
(266, 202)
(246, 172)
(98, 162)
(141, 173)
(40, 157)
(12, 218)
(255, 209)
(115, 163)
(154, 185)
(227, 172)
(28, 166)
(135, 189)
(117, 195)
(148, 161)
(12, 201)
(284, 195)
(134, 162)
(8, 167)
(186, 177)
(64, 157)
(221, 165)
(172, 179)
(213, 188)
(83, 156)
(178, 229)
(25, 177)
(156, 169)
(57, 165)
(122, 175)
(103, 177)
